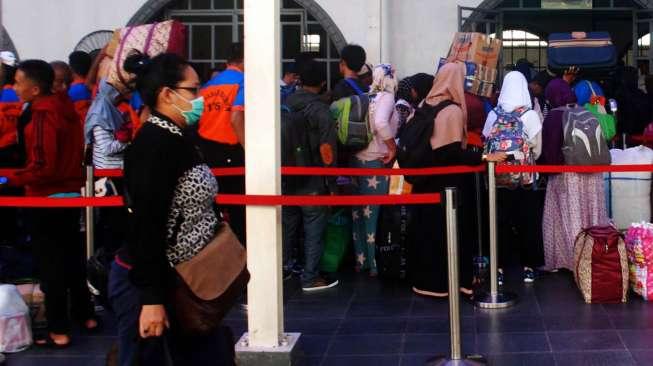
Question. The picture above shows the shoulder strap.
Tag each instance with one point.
(589, 83)
(354, 86)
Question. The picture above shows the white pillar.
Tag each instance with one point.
(262, 161)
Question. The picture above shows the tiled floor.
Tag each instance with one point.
(368, 322)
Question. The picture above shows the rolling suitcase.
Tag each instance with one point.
(588, 51)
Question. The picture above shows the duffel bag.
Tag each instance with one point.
(151, 39)
(601, 265)
(591, 50)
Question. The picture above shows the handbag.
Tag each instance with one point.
(210, 283)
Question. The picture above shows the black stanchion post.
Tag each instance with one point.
(456, 358)
(495, 299)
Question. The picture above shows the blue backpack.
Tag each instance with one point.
(508, 136)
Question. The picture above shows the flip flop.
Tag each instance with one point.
(46, 341)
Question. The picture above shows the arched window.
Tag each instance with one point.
(520, 44)
(214, 24)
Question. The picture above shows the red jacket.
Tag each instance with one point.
(54, 149)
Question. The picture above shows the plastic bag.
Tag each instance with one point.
(639, 244)
(15, 329)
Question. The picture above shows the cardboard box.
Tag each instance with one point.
(479, 80)
(477, 48)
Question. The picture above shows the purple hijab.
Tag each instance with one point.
(559, 94)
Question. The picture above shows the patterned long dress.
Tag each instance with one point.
(573, 202)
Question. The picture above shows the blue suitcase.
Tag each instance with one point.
(588, 51)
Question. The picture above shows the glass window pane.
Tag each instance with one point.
(223, 41)
(316, 33)
(335, 73)
(223, 4)
(291, 18)
(200, 4)
(201, 42)
(291, 40)
(241, 33)
(239, 4)
(180, 4)
(203, 69)
(335, 52)
(204, 19)
(291, 4)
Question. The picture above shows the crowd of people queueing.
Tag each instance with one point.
(172, 127)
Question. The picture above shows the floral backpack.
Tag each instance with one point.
(508, 136)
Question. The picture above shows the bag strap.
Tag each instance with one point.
(354, 86)
(119, 55)
(589, 83)
(148, 40)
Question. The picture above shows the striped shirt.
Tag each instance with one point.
(107, 151)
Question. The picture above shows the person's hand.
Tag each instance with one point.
(392, 152)
(496, 157)
(153, 321)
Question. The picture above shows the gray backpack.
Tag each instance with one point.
(584, 143)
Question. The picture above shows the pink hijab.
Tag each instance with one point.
(448, 85)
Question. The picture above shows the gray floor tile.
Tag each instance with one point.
(362, 360)
(585, 340)
(497, 343)
(369, 344)
(595, 358)
(637, 339)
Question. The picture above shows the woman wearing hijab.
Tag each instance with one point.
(380, 152)
(410, 93)
(428, 255)
(573, 201)
(520, 208)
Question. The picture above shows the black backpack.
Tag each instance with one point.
(414, 149)
(296, 149)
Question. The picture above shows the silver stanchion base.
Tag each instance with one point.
(499, 301)
(475, 360)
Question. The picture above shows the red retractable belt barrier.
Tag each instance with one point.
(574, 168)
(233, 199)
(224, 172)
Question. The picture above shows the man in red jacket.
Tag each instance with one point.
(54, 151)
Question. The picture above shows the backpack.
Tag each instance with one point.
(601, 265)
(607, 121)
(352, 120)
(508, 135)
(296, 149)
(414, 147)
(583, 143)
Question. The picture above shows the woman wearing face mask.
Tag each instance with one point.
(172, 217)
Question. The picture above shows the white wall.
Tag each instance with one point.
(419, 31)
(50, 29)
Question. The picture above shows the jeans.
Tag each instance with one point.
(175, 348)
(365, 218)
(314, 219)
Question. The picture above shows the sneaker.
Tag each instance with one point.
(500, 277)
(529, 275)
(320, 283)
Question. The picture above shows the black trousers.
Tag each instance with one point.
(218, 155)
(519, 220)
(60, 257)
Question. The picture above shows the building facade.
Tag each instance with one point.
(412, 34)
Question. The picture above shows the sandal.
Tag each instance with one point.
(46, 341)
(96, 329)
